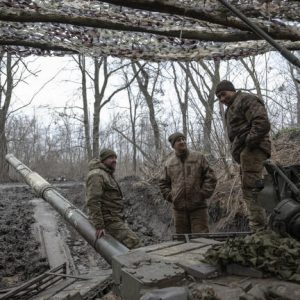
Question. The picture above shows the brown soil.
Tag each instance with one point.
(19, 252)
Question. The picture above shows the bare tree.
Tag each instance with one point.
(86, 123)
(182, 87)
(148, 89)
(295, 74)
(252, 70)
(101, 78)
(204, 84)
(134, 103)
(7, 67)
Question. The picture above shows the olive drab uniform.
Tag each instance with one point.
(248, 129)
(105, 203)
(187, 182)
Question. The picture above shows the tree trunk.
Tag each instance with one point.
(3, 150)
(296, 81)
(3, 117)
(182, 103)
(209, 108)
(97, 103)
(86, 122)
(143, 82)
(253, 74)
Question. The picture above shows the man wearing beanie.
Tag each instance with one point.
(187, 181)
(105, 200)
(248, 129)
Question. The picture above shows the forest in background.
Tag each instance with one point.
(148, 102)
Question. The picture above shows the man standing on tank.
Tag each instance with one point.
(105, 200)
(248, 129)
(187, 182)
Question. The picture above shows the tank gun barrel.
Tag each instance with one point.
(107, 246)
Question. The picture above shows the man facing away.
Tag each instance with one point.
(187, 182)
(105, 200)
(248, 129)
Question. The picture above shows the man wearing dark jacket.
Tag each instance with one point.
(248, 129)
(105, 200)
(187, 182)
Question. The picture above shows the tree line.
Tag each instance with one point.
(148, 101)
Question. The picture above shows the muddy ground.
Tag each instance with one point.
(145, 211)
(19, 251)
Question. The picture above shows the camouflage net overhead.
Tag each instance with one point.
(145, 29)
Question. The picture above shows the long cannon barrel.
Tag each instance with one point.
(106, 246)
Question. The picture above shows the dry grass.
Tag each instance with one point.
(228, 194)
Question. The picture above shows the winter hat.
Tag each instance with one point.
(105, 153)
(173, 137)
(225, 85)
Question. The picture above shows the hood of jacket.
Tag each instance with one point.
(96, 163)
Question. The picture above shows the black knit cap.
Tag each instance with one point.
(174, 136)
(105, 153)
(225, 85)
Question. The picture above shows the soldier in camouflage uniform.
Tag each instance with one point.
(105, 200)
(248, 129)
(187, 182)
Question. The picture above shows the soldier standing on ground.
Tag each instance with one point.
(105, 200)
(248, 129)
(187, 182)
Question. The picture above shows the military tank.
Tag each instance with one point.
(176, 269)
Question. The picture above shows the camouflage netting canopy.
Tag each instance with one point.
(146, 29)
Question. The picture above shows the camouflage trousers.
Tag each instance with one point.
(120, 231)
(251, 171)
(191, 221)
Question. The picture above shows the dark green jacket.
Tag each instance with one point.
(247, 124)
(104, 196)
(187, 183)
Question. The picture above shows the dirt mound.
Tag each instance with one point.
(19, 252)
(286, 147)
(145, 210)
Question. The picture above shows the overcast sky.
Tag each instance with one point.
(66, 83)
(59, 89)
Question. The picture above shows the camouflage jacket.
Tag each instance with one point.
(104, 196)
(247, 124)
(187, 183)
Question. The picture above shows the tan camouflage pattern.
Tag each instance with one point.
(105, 203)
(187, 185)
(191, 222)
(247, 124)
(251, 171)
